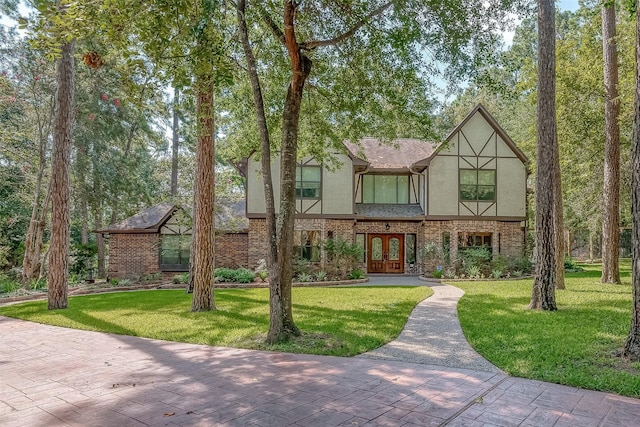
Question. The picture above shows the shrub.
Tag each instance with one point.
(431, 254)
(152, 276)
(356, 273)
(7, 284)
(496, 274)
(474, 271)
(262, 275)
(114, 282)
(437, 274)
(449, 273)
(224, 274)
(521, 263)
(343, 255)
(476, 257)
(244, 275)
(517, 273)
(181, 278)
(41, 283)
(321, 276)
(305, 277)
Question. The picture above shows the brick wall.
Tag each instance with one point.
(232, 250)
(507, 237)
(132, 256)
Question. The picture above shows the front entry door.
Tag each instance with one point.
(386, 253)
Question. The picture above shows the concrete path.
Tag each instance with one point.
(432, 334)
(51, 376)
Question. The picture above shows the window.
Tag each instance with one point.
(306, 245)
(175, 251)
(308, 182)
(360, 242)
(385, 189)
(477, 185)
(474, 240)
(410, 248)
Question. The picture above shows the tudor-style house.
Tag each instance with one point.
(469, 191)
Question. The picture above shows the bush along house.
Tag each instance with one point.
(393, 199)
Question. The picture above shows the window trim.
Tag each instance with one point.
(477, 185)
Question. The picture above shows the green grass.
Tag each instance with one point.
(577, 345)
(335, 321)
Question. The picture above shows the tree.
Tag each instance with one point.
(543, 295)
(203, 244)
(339, 43)
(175, 140)
(632, 345)
(60, 223)
(611, 187)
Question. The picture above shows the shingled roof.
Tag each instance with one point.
(399, 154)
(148, 221)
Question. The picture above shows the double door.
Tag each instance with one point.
(385, 253)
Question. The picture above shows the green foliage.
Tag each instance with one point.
(496, 274)
(342, 254)
(114, 282)
(84, 257)
(356, 274)
(437, 274)
(241, 275)
(473, 271)
(321, 276)
(181, 278)
(244, 275)
(337, 321)
(39, 284)
(570, 264)
(262, 275)
(304, 277)
(548, 346)
(8, 284)
(224, 274)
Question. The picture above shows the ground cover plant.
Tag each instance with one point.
(577, 345)
(336, 321)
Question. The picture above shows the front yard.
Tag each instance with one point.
(335, 321)
(577, 345)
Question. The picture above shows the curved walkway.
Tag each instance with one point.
(432, 335)
(51, 376)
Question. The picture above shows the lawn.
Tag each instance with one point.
(576, 345)
(336, 321)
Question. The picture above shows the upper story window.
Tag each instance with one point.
(385, 189)
(308, 182)
(477, 185)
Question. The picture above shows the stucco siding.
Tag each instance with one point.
(337, 188)
(443, 186)
(511, 188)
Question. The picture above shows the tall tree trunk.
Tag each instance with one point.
(265, 148)
(175, 142)
(611, 183)
(33, 238)
(203, 240)
(558, 221)
(281, 325)
(543, 295)
(60, 224)
(632, 345)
